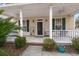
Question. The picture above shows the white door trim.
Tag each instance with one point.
(42, 26)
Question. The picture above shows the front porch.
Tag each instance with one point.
(59, 36)
(39, 20)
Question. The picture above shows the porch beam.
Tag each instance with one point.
(21, 22)
(50, 21)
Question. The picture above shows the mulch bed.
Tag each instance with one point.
(68, 49)
(13, 50)
(16, 52)
(49, 50)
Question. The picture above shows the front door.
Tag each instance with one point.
(39, 28)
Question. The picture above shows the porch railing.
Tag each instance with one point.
(65, 33)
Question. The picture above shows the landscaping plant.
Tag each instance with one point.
(75, 43)
(6, 26)
(2, 40)
(49, 44)
(20, 42)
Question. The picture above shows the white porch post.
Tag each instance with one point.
(21, 23)
(50, 22)
(74, 22)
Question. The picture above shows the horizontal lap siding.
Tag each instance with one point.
(69, 23)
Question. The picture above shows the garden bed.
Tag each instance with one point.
(49, 50)
(12, 50)
(68, 49)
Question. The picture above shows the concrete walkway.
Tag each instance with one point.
(37, 51)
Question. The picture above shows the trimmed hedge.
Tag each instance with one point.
(49, 44)
(20, 42)
(75, 43)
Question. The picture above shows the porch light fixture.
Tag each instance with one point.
(33, 20)
(46, 20)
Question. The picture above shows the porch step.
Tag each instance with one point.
(39, 40)
(11, 37)
(34, 43)
(59, 41)
(63, 40)
(41, 43)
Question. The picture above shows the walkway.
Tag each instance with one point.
(37, 51)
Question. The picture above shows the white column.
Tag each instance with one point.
(74, 22)
(21, 23)
(50, 22)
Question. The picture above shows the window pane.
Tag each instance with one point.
(27, 25)
(53, 24)
(57, 24)
(63, 23)
(19, 22)
(24, 25)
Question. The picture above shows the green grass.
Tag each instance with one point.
(4, 52)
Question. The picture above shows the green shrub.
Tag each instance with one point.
(20, 42)
(6, 27)
(75, 43)
(2, 40)
(49, 44)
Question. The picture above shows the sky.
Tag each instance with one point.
(76, 16)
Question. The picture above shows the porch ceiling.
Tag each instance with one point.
(42, 9)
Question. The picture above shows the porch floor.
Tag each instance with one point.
(35, 39)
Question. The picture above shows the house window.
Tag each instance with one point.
(18, 22)
(25, 25)
(58, 23)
